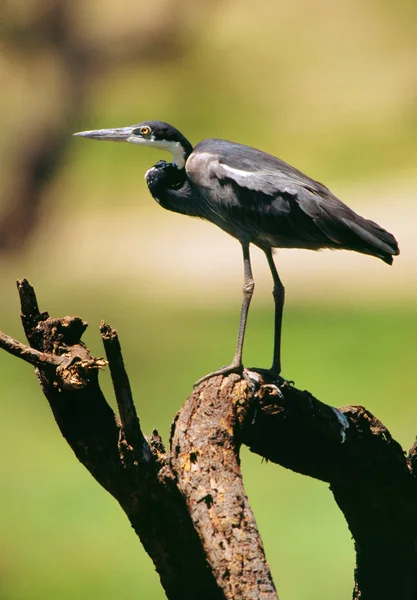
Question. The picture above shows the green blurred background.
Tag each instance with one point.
(329, 87)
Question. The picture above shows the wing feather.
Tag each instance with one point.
(265, 198)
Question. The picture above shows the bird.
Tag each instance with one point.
(258, 199)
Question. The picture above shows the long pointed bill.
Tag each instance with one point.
(109, 135)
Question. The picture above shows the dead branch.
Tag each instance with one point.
(127, 411)
(368, 473)
(188, 504)
(205, 457)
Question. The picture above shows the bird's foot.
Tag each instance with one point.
(233, 368)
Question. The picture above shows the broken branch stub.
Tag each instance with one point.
(188, 504)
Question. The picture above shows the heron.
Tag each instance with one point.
(259, 200)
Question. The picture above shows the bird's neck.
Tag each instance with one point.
(179, 155)
(180, 151)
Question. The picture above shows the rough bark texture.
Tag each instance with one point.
(187, 504)
(205, 457)
(371, 479)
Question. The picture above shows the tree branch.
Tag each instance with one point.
(188, 505)
(145, 489)
(35, 358)
(205, 444)
(369, 476)
(128, 415)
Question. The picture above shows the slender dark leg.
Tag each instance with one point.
(279, 297)
(248, 286)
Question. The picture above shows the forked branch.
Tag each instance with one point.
(188, 504)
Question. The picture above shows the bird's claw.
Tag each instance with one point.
(227, 370)
(251, 375)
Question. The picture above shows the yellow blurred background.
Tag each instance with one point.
(328, 87)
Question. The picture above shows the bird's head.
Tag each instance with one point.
(155, 134)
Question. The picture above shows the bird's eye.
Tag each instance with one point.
(144, 130)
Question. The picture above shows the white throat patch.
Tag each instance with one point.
(176, 149)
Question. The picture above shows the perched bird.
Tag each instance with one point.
(256, 198)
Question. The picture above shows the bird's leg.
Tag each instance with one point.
(279, 297)
(272, 375)
(248, 286)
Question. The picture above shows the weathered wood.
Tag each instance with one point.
(30, 355)
(188, 504)
(369, 475)
(205, 457)
(123, 392)
(146, 490)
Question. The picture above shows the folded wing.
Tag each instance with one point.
(275, 204)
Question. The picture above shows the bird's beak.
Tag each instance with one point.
(109, 135)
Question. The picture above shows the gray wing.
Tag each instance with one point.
(276, 198)
(248, 167)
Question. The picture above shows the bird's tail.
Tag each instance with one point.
(376, 240)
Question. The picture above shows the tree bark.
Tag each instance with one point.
(187, 504)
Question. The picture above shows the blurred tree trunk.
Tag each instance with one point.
(71, 63)
(187, 503)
